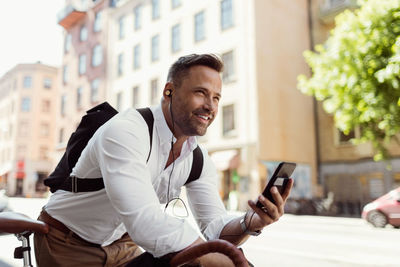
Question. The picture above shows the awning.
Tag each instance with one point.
(226, 159)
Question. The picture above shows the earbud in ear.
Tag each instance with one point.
(168, 92)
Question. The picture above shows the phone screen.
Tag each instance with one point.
(280, 184)
(279, 179)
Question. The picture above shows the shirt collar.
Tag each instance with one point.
(164, 133)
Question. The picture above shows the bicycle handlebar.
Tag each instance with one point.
(15, 223)
(219, 246)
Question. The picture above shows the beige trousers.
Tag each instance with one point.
(57, 249)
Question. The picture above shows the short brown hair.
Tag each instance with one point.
(181, 67)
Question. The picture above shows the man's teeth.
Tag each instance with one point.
(204, 117)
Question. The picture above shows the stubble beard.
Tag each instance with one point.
(190, 127)
(187, 121)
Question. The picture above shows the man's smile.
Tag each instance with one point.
(204, 118)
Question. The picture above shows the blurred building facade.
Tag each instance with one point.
(27, 127)
(120, 51)
(285, 116)
(83, 73)
(263, 119)
(347, 170)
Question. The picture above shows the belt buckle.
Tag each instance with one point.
(74, 184)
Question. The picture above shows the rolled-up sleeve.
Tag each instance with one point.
(205, 202)
(122, 153)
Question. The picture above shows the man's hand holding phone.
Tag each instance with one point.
(269, 206)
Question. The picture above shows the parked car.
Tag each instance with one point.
(384, 210)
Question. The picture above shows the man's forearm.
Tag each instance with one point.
(233, 232)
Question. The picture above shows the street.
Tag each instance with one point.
(293, 241)
(324, 241)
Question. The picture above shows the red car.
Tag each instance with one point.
(384, 210)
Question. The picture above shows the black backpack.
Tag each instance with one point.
(60, 178)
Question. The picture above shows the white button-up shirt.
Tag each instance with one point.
(135, 189)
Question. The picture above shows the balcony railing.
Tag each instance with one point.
(330, 8)
(70, 15)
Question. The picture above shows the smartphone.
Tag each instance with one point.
(280, 178)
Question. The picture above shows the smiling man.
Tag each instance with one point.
(106, 227)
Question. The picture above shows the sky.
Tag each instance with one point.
(29, 33)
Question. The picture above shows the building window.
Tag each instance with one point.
(121, 27)
(135, 96)
(97, 55)
(199, 27)
(228, 73)
(46, 106)
(346, 139)
(136, 57)
(98, 17)
(79, 93)
(154, 91)
(44, 129)
(228, 120)
(21, 151)
(175, 38)
(23, 129)
(63, 104)
(83, 34)
(43, 153)
(25, 104)
(47, 83)
(82, 64)
(175, 3)
(155, 9)
(226, 14)
(94, 90)
(120, 67)
(27, 83)
(67, 43)
(65, 74)
(61, 135)
(155, 48)
(137, 13)
(119, 100)
(10, 130)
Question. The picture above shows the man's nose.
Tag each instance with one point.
(210, 104)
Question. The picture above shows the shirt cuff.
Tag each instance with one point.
(175, 241)
(215, 227)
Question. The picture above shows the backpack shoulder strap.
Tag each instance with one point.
(75, 184)
(88, 125)
(149, 118)
(197, 165)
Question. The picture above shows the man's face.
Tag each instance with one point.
(195, 102)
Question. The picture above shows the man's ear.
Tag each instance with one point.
(168, 93)
(168, 90)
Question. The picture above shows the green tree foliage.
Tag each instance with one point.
(356, 73)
